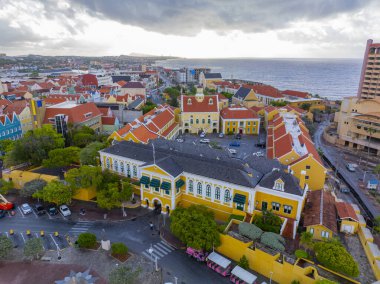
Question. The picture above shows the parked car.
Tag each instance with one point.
(40, 210)
(350, 168)
(258, 154)
(204, 141)
(221, 135)
(52, 210)
(65, 211)
(238, 136)
(202, 135)
(199, 255)
(26, 209)
(180, 140)
(235, 144)
(232, 151)
(261, 144)
(344, 189)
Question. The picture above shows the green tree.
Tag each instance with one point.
(5, 186)
(109, 198)
(55, 192)
(107, 178)
(306, 240)
(59, 158)
(6, 145)
(35, 146)
(32, 187)
(268, 222)
(6, 247)
(305, 106)
(278, 103)
(334, 256)
(148, 107)
(33, 248)
(86, 240)
(243, 262)
(83, 139)
(299, 253)
(126, 191)
(89, 155)
(195, 226)
(124, 275)
(84, 177)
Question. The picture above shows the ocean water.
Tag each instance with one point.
(331, 78)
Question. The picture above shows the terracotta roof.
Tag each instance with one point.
(270, 108)
(256, 108)
(299, 94)
(265, 90)
(283, 145)
(133, 85)
(296, 109)
(203, 106)
(346, 211)
(5, 103)
(222, 97)
(76, 114)
(279, 132)
(53, 101)
(121, 83)
(238, 113)
(320, 210)
(104, 110)
(16, 107)
(106, 120)
(170, 129)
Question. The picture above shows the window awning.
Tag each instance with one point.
(179, 183)
(155, 182)
(166, 185)
(144, 180)
(239, 198)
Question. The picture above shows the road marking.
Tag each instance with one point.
(165, 246)
(6, 233)
(22, 214)
(34, 213)
(36, 235)
(146, 254)
(62, 215)
(159, 251)
(9, 214)
(56, 244)
(23, 237)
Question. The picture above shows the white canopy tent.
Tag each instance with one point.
(219, 260)
(244, 275)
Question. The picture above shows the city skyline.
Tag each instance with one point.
(194, 29)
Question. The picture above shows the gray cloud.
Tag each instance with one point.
(188, 17)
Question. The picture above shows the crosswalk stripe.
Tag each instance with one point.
(166, 245)
(166, 250)
(148, 256)
(83, 225)
(160, 250)
(156, 253)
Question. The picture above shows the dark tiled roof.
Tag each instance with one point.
(135, 103)
(169, 165)
(290, 182)
(242, 93)
(120, 78)
(213, 76)
(134, 85)
(228, 171)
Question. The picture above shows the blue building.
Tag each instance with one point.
(10, 127)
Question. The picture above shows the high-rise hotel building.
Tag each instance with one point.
(369, 86)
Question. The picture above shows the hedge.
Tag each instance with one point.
(250, 231)
(273, 241)
(334, 256)
(86, 240)
(119, 249)
(301, 254)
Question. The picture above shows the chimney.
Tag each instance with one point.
(302, 179)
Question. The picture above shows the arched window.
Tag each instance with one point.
(208, 190)
(134, 171)
(199, 188)
(210, 101)
(122, 167)
(116, 166)
(227, 196)
(108, 163)
(197, 120)
(217, 193)
(189, 101)
(203, 121)
(191, 186)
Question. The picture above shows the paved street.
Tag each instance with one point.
(135, 234)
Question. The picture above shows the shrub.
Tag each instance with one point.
(6, 247)
(250, 231)
(237, 217)
(295, 282)
(273, 241)
(301, 254)
(335, 257)
(33, 248)
(86, 240)
(119, 249)
(243, 262)
(268, 222)
(32, 186)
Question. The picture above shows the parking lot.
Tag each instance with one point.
(247, 144)
(17, 213)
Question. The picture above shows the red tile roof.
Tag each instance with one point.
(346, 211)
(292, 93)
(16, 107)
(265, 90)
(238, 113)
(283, 145)
(106, 120)
(53, 101)
(104, 111)
(190, 104)
(77, 114)
(279, 131)
(320, 210)
(256, 108)
(269, 109)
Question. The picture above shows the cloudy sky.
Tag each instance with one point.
(190, 28)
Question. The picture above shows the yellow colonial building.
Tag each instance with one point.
(200, 113)
(246, 97)
(207, 80)
(170, 178)
(239, 119)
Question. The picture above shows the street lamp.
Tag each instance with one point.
(270, 279)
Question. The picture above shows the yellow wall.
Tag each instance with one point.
(289, 158)
(317, 235)
(233, 125)
(349, 223)
(196, 127)
(85, 194)
(19, 178)
(269, 198)
(316, 173)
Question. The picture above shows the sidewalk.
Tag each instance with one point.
(168, 237)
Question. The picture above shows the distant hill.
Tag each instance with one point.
(136, 54)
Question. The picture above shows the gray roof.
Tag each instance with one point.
(226, 170)
(135, 103)
(213, 76)
(291, 184)
(169, 165)
(118, 78)
(133, 85)
(242, 93)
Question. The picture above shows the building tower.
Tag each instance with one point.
(369, 85)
